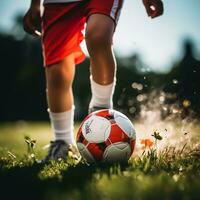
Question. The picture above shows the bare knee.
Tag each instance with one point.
(59, 75)
(99, 33)
(97, 40)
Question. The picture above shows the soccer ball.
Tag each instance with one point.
(106, 136)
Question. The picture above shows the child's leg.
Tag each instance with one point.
(99, 35)
(59, 78)
(61, 36)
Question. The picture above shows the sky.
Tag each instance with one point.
(159, 41)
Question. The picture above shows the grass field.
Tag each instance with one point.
(169, 169)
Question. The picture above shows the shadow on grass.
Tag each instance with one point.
(171, 176)
(23, 182)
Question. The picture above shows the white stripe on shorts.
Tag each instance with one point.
(119, 12)
(114, 9)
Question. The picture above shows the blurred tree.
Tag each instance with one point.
(184, 80)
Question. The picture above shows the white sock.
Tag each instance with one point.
(63, 125)
(102, 94)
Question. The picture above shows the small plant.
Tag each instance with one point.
(149, 157)
(30, 147)
(157, 137)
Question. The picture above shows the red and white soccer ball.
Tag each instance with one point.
(106, 136)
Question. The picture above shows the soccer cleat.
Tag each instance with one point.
(58, 150)
(95, 108)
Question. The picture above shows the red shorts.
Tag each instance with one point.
(63, 23)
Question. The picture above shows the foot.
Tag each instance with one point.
(58, 150)
(95, 108)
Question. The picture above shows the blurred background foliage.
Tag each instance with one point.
(22, 81)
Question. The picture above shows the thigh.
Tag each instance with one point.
(102, 18)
